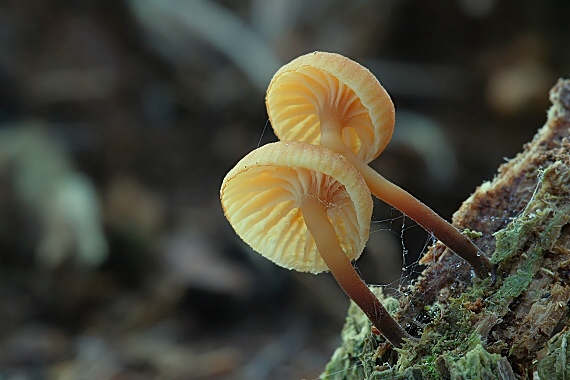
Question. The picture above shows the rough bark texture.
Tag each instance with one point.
(471, 328)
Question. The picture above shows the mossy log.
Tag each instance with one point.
(510, 327)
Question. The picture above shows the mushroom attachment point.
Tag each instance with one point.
(306, 208)
(329, 100)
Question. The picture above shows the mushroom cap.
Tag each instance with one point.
(320, 82)
(261, 196)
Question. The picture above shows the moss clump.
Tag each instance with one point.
(477, 364)
(472, 234)
(448, 347)
(448, 341)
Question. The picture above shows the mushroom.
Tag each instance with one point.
(306, 208)
(327, 99)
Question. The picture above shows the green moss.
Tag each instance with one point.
(534, 232)
(555, 366)
(476, 364)
(472, 234)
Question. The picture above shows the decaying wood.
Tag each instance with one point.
(495, 203)
(522, 220)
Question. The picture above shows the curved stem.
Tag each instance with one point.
(397, 197)
(320, 227)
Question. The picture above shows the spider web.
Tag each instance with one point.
(413, 243)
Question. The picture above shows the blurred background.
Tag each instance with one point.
(119, 119)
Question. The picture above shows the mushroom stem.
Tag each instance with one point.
(399, 198)
(320, 227)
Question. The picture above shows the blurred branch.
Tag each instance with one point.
(217, 26)
(426, 137)
(63, 200)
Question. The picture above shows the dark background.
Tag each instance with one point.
(119, 119)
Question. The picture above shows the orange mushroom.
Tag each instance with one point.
(306, 208)
(327, 99)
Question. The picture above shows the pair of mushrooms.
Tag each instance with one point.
(305, 202)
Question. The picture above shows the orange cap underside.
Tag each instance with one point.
(319, 83)
(260, 197)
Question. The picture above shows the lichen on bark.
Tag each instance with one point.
(475, 329)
